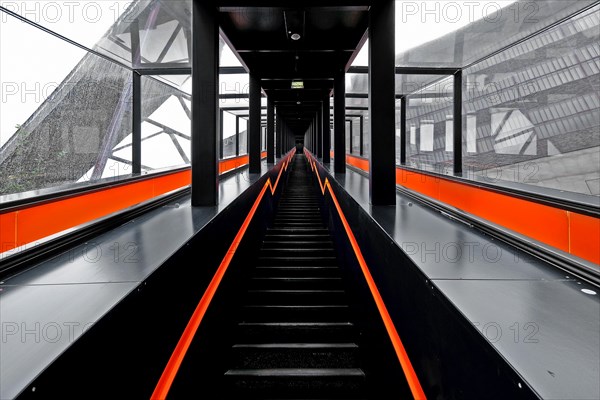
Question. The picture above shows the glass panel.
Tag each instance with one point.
(83, 21)
(356, 136)
(166, 127)
(429, 126)
(60, 117)
(229, 134)
(458, 33)
(243, 136)
(227, 58)
(150, 33)
(533, 111)
(234, 84)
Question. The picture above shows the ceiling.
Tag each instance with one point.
(330, 32)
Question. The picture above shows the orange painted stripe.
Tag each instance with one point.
(33, 223)
(409, 372)
(235, 162)
(571, 232)
(174, 363)
(358, 162)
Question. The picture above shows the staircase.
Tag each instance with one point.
(296, 338)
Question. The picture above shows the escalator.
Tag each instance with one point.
(296, 336)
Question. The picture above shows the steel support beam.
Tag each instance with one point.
(457, 122)
(254, 124)
(136, 137)
(339, 122)
(205, 116)
(382, 76)
(403, 130)
(270, 131)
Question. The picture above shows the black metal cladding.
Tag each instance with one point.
(254, 124)
(382, 182)
(205, 80)
(339, 123)
(270, 131)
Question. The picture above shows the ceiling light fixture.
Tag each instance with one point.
(299, 102)
(295, 36)
(297, 84)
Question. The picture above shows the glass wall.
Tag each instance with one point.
(166, 126)
(229, 127)
(531, 109)
(429, 136)
(532, 112)
(60, 117)
(243, 136)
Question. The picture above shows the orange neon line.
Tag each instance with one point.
(409, 372)
(168, 376)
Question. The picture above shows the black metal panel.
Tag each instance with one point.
(254, 123)
(403, 130)
(326, 143)
(270, 131)
(136, 137)
(382, 77)
(362, 134)
(339, 123)
(205, 82)
(457, 122)
(221, 134)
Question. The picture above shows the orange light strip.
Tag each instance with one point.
(174, 363)
(409, 372)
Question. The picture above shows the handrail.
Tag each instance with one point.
(168, 376)
(409, 372)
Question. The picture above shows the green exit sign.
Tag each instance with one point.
(297, 85)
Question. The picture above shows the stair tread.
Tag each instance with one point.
(357, 372)
(295, 346)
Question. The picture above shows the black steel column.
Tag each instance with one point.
(339, 122)
(351, 134)
(205, 116)
(326, 131)
(457, 122)
(254, 122)
(362, 134)
(270, 131)
(382, 107)
(136, 137)
(279, 136)
(403, 130)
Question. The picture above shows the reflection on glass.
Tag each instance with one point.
(533, 111)
(429, 135)
(458, 33)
